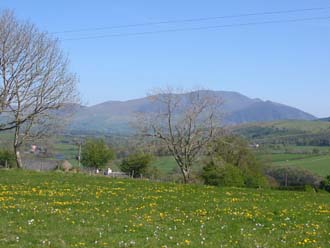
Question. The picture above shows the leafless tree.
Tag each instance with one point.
(184, 122)
(35, 81)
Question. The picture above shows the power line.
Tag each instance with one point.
(199, 28)
(192, 20)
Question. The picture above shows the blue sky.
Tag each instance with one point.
(286, 62)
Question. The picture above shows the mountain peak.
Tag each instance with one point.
(116, 116)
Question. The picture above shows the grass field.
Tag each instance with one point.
(74, 210)
(319, 164)
(283, 157)
(165, 164)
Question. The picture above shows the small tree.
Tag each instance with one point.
(219, 174)
(136, 164)
(96, 154)
(234, 151)
(184, 121)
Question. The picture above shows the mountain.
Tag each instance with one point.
(117, 116)
(265, 112)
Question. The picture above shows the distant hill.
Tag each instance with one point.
(116, 116)
(265, 112)
(298, 132)
(324, 119)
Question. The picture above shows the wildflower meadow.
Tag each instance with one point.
(74, 210)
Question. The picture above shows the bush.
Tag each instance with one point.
(222, 175)
(7, 158)
(136, 164)
(325, 184)
(96, 154)
(152, 172)
(231, 156)
(254, 179)
(292, 177)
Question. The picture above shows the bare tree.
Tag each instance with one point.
(35, 80)
(185, 123)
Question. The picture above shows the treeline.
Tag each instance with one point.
(274, 135)
(227, 161)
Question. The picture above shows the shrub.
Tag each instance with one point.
(96, 154)
(222, 175)
(152, 172)
(235, 153)
(254, 179)
(290, 176)
(136, 164)
(325, 184)
(7, 158)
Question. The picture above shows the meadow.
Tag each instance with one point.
(39, 209)
(320, 165)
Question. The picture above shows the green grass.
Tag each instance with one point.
(73, 210)
(319, 164)
(283, 157)
(165, 164)
(67, 150)
(305, 126)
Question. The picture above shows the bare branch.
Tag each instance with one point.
(35, 80)
(185, 122)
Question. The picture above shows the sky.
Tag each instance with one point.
(287, 62)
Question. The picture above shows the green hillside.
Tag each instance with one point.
(74, 210)
(317, 164)
(264, 129)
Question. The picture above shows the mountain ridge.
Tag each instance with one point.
(116, 116)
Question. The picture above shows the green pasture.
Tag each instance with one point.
(75, 210)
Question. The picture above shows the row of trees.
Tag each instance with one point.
(35, 81)
(97, 154)
(228, 162)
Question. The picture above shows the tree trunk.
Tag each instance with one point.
(185, 174)
(18, 158)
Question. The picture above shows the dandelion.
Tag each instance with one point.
(187, 242)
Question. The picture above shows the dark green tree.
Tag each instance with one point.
(96, 154)
(136, 164)
(235, 151)
(218, 174)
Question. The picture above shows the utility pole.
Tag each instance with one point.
(79, 154)
(79, 143)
